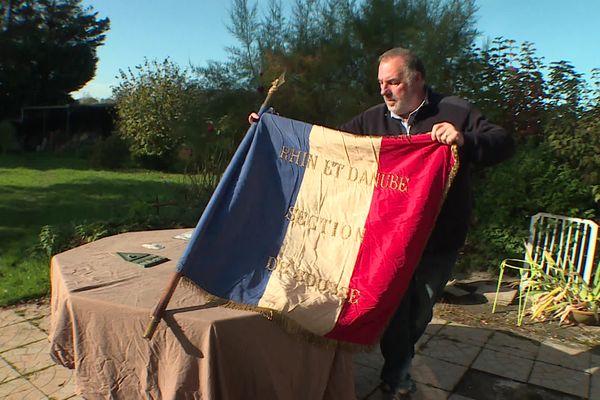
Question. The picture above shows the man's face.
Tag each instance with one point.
(401, 95)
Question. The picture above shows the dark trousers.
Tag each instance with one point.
(412, 316)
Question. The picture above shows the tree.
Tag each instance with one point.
(151, 104)
(48, 50)
(506, 81)
(88, 100)
(329, 49)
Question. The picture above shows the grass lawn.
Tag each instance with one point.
(42, 189)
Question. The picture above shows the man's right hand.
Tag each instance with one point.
(253, 117)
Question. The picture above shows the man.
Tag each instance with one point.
(411, 108)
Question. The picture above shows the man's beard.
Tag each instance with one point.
(402, 104)
(399, 107)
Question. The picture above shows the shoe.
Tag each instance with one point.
(402, 392)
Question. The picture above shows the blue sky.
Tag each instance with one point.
(194, 31)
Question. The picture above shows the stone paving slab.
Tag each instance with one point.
(423, 340)
(435, 325)
(20, 389)
(466, 334)
(43, 323)
(425, 392)
(372, 359)
(33, 311)
(455, 396)
(19, 334)
(455, 291)
(7, 373)
(595, 377)
(367, 367)
(505, 297)
(480, 385)
(366, 380)
(514, 345)
(437, 373)
(9, 317)
(560, 378)
(574, 356)
(57, 382)
(30, 358)
(451, 350)
(376, 395)
(504, 364)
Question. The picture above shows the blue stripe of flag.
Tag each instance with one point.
(244, 222)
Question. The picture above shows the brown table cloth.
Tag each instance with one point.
(101, 305)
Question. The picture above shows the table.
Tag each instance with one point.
(101, 305)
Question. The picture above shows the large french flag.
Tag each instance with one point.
(320, 227)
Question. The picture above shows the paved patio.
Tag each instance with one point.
(454, 362)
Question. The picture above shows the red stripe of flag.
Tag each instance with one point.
(397, 228)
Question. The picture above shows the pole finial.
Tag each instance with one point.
(274, 86)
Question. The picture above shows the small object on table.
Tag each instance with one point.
(143, 259)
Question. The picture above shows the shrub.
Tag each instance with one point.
(150, 105)
(111, 153)
(8, 137)
(57, 238)
(533, 181)
(579, 145)
(54, 239)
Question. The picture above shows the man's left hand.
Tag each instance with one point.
(446, 133)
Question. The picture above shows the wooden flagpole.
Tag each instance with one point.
(160, 308)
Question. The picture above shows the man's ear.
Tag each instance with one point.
(419, 78)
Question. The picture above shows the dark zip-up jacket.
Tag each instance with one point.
(485, 144)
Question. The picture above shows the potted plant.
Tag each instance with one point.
(560, 292)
